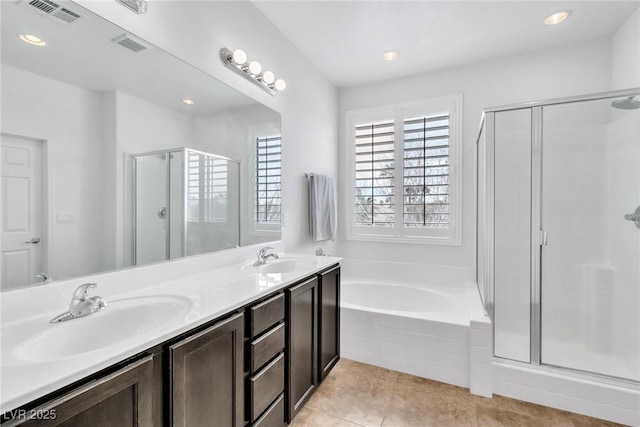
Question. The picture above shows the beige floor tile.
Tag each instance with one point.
(311, 418)
(357, 394)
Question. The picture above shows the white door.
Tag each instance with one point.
(21, 211)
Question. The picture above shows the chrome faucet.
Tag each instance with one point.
(263, 256)
(81, 304)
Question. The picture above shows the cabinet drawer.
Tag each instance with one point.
(274, 417)
(266, 347)
(266, 386)
(266, 314)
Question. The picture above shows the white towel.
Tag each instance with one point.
(323, 208)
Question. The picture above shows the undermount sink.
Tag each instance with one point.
(287, 265)
(120, 320)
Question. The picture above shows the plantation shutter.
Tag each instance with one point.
(268, 180)
(426, 171)
(375, 177)
(206, 188)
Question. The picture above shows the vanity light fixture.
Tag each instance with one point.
(31, 39)
(390, 55)
(237, 61)
(557, 17)
(137, 6)
(188, 101)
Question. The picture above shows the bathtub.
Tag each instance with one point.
(423, 330)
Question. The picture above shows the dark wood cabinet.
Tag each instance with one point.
(329, 323)
(266, 362)
(123, 398)
(207, 376)
(302, 349)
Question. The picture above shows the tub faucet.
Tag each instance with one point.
(263, 256)
(81, 304)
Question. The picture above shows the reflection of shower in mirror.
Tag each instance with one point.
(185, 202)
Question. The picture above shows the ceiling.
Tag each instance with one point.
(344, 39)
(82, 53)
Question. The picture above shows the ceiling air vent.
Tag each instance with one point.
(65, 15)
(52, 9)
(44, 5)
(130, 42)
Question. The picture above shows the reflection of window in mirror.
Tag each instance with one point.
(207, 189)
(268, 190)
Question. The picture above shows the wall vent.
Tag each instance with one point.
(130, 42)
(52, 9)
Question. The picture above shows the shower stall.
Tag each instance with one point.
(184, 202)
(559, 233)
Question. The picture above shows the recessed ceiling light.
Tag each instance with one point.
(557, 17)
(188, 101)
(390, 55)
(31, 39)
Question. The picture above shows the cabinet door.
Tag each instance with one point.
(207, 377)
(302, 327)
(123, 398)
(329, 324)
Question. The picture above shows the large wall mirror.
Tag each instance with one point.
(117, 154)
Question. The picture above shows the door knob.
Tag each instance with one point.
(35, 240)
(635, 217)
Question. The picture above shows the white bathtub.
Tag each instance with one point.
(404, 299)
(414, 328)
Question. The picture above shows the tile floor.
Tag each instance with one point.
(355, 394)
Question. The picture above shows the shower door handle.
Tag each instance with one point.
(634, 217)
(543, 238)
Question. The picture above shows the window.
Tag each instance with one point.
(403, 168)
(268, 180)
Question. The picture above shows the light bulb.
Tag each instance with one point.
(31, 39)
(268, 77)
(281, 85)
(557, 17)
(255, 67)
(239, 56)
(188, 101)
(390, 55)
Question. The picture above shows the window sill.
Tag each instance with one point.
(413, 240)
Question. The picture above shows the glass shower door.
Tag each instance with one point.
(151, 208)
(590, 264)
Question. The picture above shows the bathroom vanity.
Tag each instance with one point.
(256, 363)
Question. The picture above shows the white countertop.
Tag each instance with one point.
(210, 294)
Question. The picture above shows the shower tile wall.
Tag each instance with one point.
(590, 276)
(575, 222)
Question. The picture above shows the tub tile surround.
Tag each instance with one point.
(441, 346)
(210, 281)
(357, 394)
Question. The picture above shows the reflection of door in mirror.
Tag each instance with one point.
(22, 191)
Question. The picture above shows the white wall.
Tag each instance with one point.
(195, 31)
(67, 118)
(625, 54)
(573, 70)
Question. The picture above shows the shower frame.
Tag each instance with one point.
(485, 210)
(183, 192)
